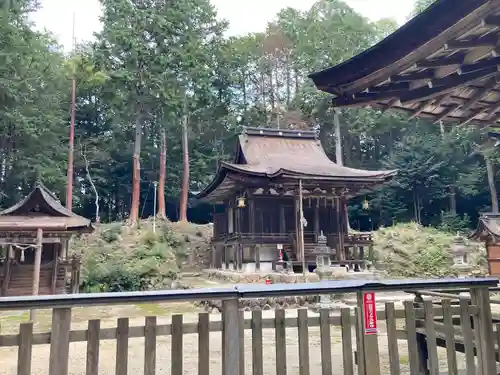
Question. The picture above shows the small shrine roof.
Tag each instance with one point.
(41, 209)
(488, 226)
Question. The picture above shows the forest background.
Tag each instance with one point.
(161, 69)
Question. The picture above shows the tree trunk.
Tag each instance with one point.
(339, 161)
(453, 199)
(162, 214)
(136, 173)
(185, 177)
(491, 182)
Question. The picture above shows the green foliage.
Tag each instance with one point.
(410, 250)
(111, 233)
(147, 261)
(453, 223)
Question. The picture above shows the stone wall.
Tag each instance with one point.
(259, 278)
(268, 303)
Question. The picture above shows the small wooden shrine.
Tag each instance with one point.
(34, 237)
(275, 198)
(488, 230)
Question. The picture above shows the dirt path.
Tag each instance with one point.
(8, 356)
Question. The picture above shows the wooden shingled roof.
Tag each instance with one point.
(276, 155)
(442, 65)
(41, 209)
(488, 226)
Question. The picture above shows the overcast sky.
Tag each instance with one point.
(243, 16)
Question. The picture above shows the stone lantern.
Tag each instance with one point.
(459, 252)
(324, 270)
(323, 255)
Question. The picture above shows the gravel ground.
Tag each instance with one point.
(8, 356)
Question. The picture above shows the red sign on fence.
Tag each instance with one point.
(370, 313)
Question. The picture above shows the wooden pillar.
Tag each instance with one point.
(9, 255)
(340, 230)
(226, 256)
(55, 267)
(282, 219)
(65, 245)
(297, 232)
(36, 267)
(213, 257)
(316, 219)
(257, 257)
(231, 338)
(483, 328)
(218, 251)
(251, 216)
(239, 249)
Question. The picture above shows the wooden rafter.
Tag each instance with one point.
(487, 41)
(492, 83)
(491, 111)
(421, 108)
(446, 85)
(447, 73)
(409, 77)
(471, 117)
(492, 20)
(456, 59)
(488, 63)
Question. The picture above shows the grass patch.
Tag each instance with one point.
(411, 250)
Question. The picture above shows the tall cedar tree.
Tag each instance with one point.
(149, 50)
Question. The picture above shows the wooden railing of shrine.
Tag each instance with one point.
(317, 338)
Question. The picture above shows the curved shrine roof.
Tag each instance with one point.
(443, 65)
(488, 226)
(41, 209)
(287, 154)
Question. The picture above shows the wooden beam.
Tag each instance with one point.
(446, 113)
(446, 85)
(421, 108)
(390, 87)
(416, 76)
(392, 103)
(491, 111)
(471, 101)
(27, 240)
(487, 41)
(492, 20)
(470, 118)
(486, 63)
(480, 93)
(476, 54)
(456, 59)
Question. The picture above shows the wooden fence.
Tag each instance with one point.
(414, 331)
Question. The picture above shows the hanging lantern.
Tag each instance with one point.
(240, 202)
(366, 204)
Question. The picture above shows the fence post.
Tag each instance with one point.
(59, 341)
(485, 344)
(231, 337)
(368, 349)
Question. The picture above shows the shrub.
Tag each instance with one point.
(410, 250)
(453, 223)
(148, 263)
(111, 233)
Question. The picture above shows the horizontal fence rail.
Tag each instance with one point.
(421, 336)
